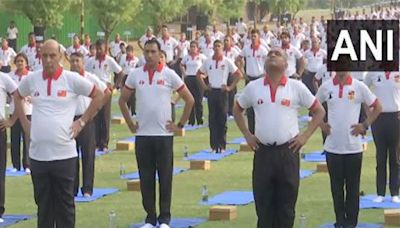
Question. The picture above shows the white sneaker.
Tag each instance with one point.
(379, 199)
(395, 199)
(147, 225)
(1, 220)
(231, 117)
(14, 170)
(164, 226)
(28, 171)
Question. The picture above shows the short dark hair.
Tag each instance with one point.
(129, 48)
(255, 31)
(92, 46)
(77, 54)
(285, 33)
(21, 55)
(122, 44)
(153, 41)
(164, 53)
(164, 26)
(194, 42)
(217, 42)
(100, 42)
(32, 34)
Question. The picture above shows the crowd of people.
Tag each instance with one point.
(284, 68)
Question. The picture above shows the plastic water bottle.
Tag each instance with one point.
(302, 221)
(204, 194)
(112, 220)
(185, 151)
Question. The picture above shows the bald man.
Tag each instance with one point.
(55, 93)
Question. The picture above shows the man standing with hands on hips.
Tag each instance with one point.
(54, 93)
(153, 84)
(276, 99)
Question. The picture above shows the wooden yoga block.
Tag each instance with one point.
(322, 167)
(124, 145)
(392, 217)
(223, 213)
(200, 165)
(118, 120)
(133, 185)
(181, 132)
(245, 148)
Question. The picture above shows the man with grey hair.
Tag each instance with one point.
(277, 140)
(55, 93)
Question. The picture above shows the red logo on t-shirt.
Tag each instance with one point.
(62, 93)
(285, 102)
(351, 95)
(160, 82)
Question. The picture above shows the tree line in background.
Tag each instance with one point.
(49, 13)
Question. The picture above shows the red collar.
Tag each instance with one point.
(387, 74)
(82, 72)
(56, 75)
(38, 56)
(148, 36)
(77, 46)
(165, 38)
(159, 68)
(87, 44)
(267, 80)
(348, 81)
(24, 72)
(117, 41)
(101, 58)
(315, 50)
(286, 46)
(208, 42)
(129, 58)
(217, 58)
(255, 47)
(194, 55)
(182, 41)
(228, 49)
(32, 45)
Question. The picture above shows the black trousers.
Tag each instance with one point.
(3, 161)
(197, 111)
(307, 79)
(13, 43)
(250, 111)
(325, 105)
(53, 187)
(344, 172)
(217, 111)
(16, 133)
(102, 120)
(386, 133)
(231, 96)
(275, 185)
(155, 154)
(86, 144)
(5, 69)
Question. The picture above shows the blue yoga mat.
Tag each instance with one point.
(306, 173)
(315, 156)
(129, 139)
(135, 175)
(230, 198)
(97, 194)
(367, 139)
(19, 173)
(208, 155)
(366, 202)
(359, 225)
(180, 222)
(13, 219)
(237, 141)
(194, 127)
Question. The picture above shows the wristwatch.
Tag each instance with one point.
(81, 123)
(180, 125)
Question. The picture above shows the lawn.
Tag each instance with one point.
(231, 173)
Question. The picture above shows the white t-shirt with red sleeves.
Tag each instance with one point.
(276, 111)
(77, 49)
(103, 68)
(315, 59)
(232, 53)
(255, 60)
(344, 105)
(293, 55)
(386, 86)
(6, 55)
(192, 63)
(128, 63)
(30, 52)
(54, 101)
(153, 91)
(168, 45)
(217, 70)
(7, 86)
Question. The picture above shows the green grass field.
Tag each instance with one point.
(231, 173)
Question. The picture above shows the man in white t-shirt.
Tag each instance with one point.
(54, 93)
(169, 45)
(76, 47)
(86, 140)
(12, 35)
(153, 84)
(114, 47)
(104, 67)
(343, 146)
(146, 37)
(30, 48)
(7, 86)
(7, 54)
(217, 69)
(315, 59)
(277, 139)
(241, 27)
(295, 59)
